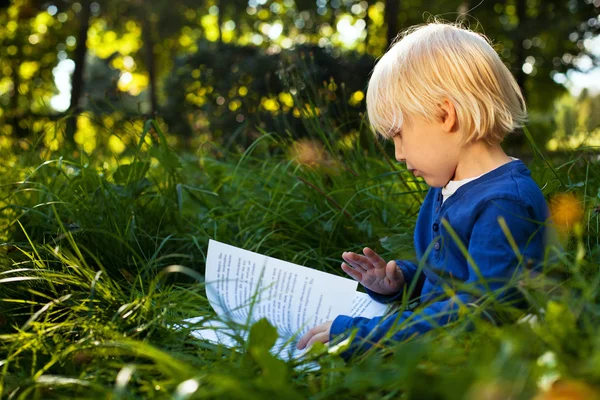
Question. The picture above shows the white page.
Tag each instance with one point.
(215, 332)
(292, 297)
(218, 332)
(364, 306)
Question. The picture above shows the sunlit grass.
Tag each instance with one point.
(102, 259)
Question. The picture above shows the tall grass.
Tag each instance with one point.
(98, 263)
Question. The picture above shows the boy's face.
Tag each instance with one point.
(430, 149)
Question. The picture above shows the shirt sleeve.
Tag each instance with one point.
(496, 264)
(409, 270)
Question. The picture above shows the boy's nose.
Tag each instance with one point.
(400, 156)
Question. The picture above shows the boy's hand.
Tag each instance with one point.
(319, 333)
(373, 272)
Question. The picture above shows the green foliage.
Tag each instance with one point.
(100, 263)
(546, 39)
(103, 251)
(577, 122)
(225, 86)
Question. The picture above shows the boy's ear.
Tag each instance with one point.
(449, 119)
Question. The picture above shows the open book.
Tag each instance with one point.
(243, 287)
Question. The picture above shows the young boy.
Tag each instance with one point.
(445, 98)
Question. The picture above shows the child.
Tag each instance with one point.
(445, 98)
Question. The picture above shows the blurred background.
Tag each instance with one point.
(89, 73)
(133, 131)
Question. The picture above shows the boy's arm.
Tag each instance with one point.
(371, 331)
(409, 270)
(494, 260)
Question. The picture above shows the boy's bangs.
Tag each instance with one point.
(384, 110)
(437, 61)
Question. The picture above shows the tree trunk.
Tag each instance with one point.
(367, 23)
(14, 93)
(332, 18)
(517, 142)
(77, 79)
(521, 35)
(237, 30)
(150, 60)
(220, 17)
(392, 7)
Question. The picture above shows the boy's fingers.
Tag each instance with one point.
(322, 331)
(359, 263)
(352, 257)
(374, 258)
(352, 272)
(304, 339)
(391, 272)
(322, 337)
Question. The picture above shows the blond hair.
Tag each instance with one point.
(430, 62)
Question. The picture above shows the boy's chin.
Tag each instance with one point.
(435, 183)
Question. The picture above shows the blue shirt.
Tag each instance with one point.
(447, 278)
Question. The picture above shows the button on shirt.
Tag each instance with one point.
(472, 212)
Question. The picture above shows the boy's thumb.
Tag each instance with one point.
(391, 270)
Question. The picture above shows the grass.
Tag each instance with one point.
(98, 262)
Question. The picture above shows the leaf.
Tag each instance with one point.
(274, 372)
(575, 185)
(396, 242)
(551, 187)
(545, 177)
(366, 226)
(262, 335)
(168, 158)
(561, 322)
(131, 172)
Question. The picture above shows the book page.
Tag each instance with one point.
(364, 306)
(219, 333)
(292, 297)
(215, 332)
